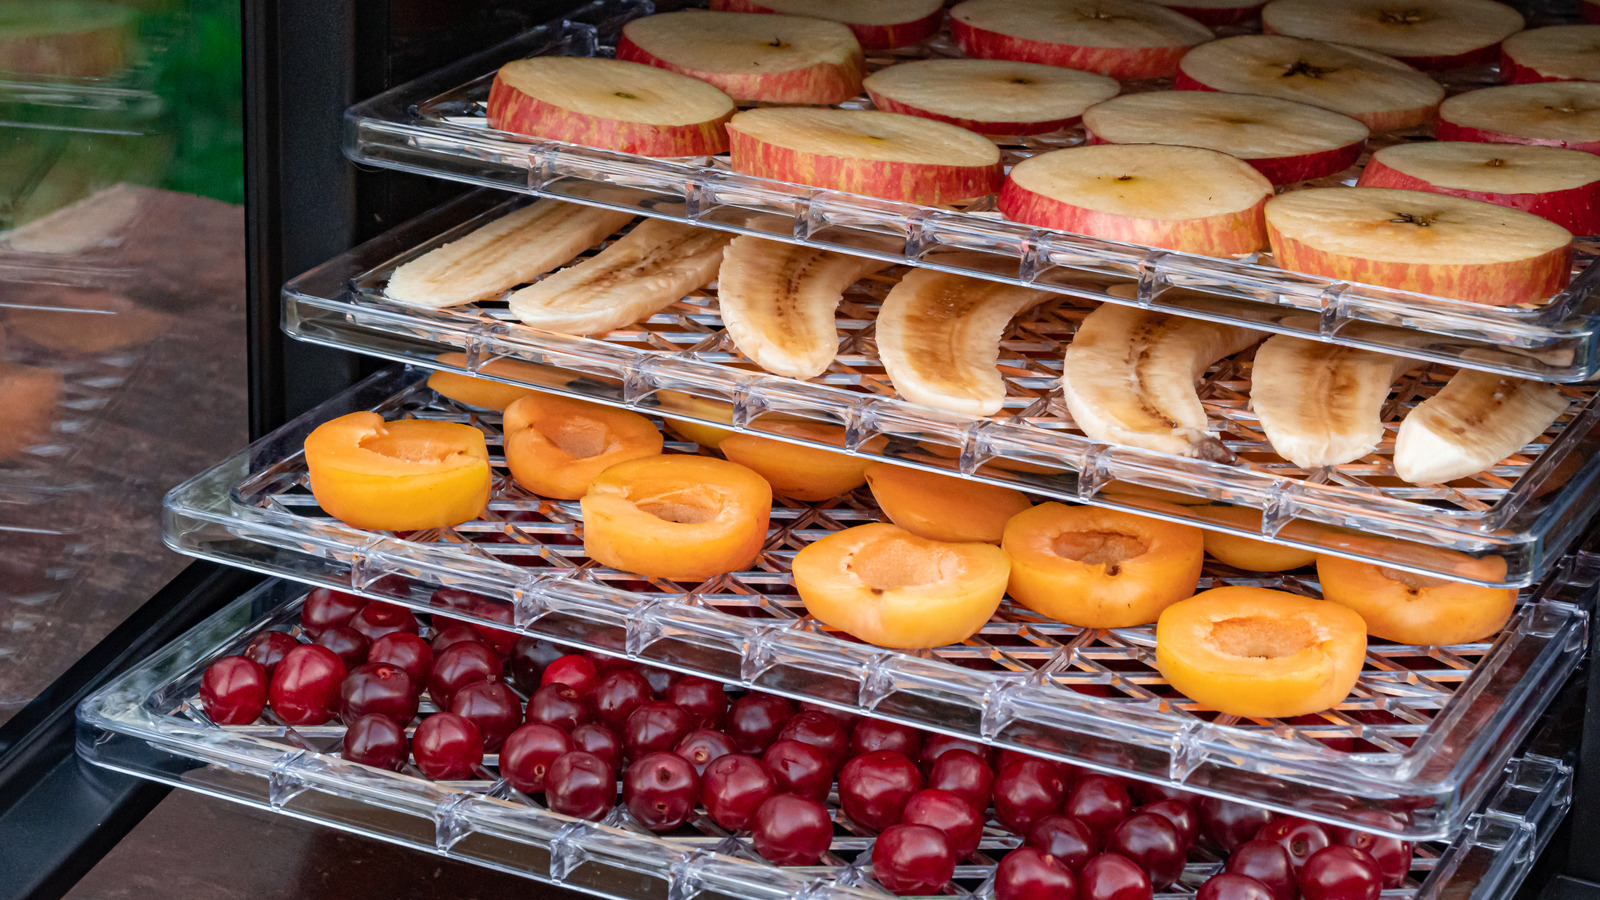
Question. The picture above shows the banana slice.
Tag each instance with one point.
(513, 249)
(778, 301)
(1476, 420)
(939, 339)
(1321, 405)
(646, 271)
(1130, 378)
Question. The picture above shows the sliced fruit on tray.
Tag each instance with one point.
(1180, 198)
(809, 474)
(943, 507)
(610, 104)
(1476, 420)
(398, 476)
(1428, 34)
(880, 154)
(1321, 404)
(487, 393)
(779, 59)
(28, 396)
(1556, 53)
(1215, 13)
(513, 249)
(1125, 39)
(778, 301)
(1550, 182)
(889, 587)
(1284, 140)
(939, 335)
(989, 96)
(1380, 92)
(1247, 553)
(1557, 114)
(878, 24)
(1415, 609)
(556, 446)
(1416, 241)
(1130, 378)
(649, 269)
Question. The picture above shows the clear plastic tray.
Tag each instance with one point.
(436, 126)
(680, 363)
(1419, 733)
(148, 723)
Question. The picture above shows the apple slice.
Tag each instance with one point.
(1428, 34)
(780, 59)
(1180, 198)
(866, 151)
(1215, 13)
(1554, 113)
(1286, 141)
(1416, 241)
(1560, 185)
(1125, 39)
(878, 24)
(989, 96)
(1557, 53)
(608, 103)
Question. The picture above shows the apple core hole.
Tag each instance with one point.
(1411, 579)
(680, 507)
(579, 438)
(1261, 637)
(895, 562)
(1098, 548)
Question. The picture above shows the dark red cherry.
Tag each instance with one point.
(1180, 814)
(660, 790)
(1154, 843)
(1392, 855)
(703, 699)
(325, 608)
(377, 619)
(458, 666)
(447, 747)
(703, 745)
(1340, 873)
(936, 745)
(951, 813)
(499, 638)
(733, 787)
(1147, 792)
(234, 690)
(1225, 824)
(491, 706)
(871, 735)
(605, 663)
(377, 688)
(268, 647)
(874, 788)
(754, 721)
(1026, 791)
(580, 785)
(407, 651)
(1065, 839)
(821, 730)
(349, 644)
(616, 695)
(527, 753)
(1298, 836)
(913, 859)
(964, 773)
(455, 633)
(1112, 876)
(1228, 886)
(800, 769)
(376, 741)
(1007, 756)
(1098, 801)
(791, 831)
(305, 688)
(655, 727)
(1268, 863)
(1028, 873)
(599, 740)
(660, 679)
(847, 719)
(560, 705)
(528, 659)
(573, 669)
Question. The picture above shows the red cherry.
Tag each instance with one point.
(1064, 839)
(580, 785)
(493, 707)
(447, 747)
(1298, 836)
(660, 789)
(1025, 791)
(660, 679)
(912, 859)
(949, 812)
(733, 788)
(527, 753)
(573, 669)
(1112, 876)
(754, 721)
(377, 688)
(655, 727)
(599, 740)
(325, 608)
(234, 690)
(1148, 792)
(499, 638)
(528, 659)
(453, 634)
(1228, 886)
(616, 695)
(349, 644)
(703, 745)
(476, 605)
(559, 705)
(1028, 873)
(268, 647)
(704, 700)
(847, 719)
(1100, 802)
(791, 831)
(377, 619)
(871, 735)
(1341, 873)
(1151, 841)
(1069, 774)
(937, 745)
(964, 773)
(1225, 825)
(800, 769)
(376, 741)
(605, 663)
(873, 789)
(821, 730)
(305, 689)
(1391, 854)
(1268, 863)
(1180, 814)
(458, 666)
(407, 651)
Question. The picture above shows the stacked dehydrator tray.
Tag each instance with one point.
(1452, 747)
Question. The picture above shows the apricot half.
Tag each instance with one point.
(1260, 653)
(1100, 568)
(404, 475)
(1248, 553)
(556, 446)
(943, 508)
(795, 471)
(1415, 609)
(889, 587)
(679, 517)
(486, 393)
(28, 396)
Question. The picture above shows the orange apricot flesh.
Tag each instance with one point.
(1248, 553)
(799, 472)
(1260, 653)
(681, 517)
(556, 446)
(1415, 609)
(28, 396)
(887, 586)
(486, 393)
(404, 475)
(705, 435)
(1100, 568)
(941, 507)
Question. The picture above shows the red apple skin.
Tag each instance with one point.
(1006, 128)
(822, 83)
(924, 183)
(1291, 169)
(1479, 57)
(1121, 63)
(512, 110)
(1513, 72)
(1575, 209)
(1218, 16)
(1231, 234)
(870, 37)
(1390, 120)
(1446, 130)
